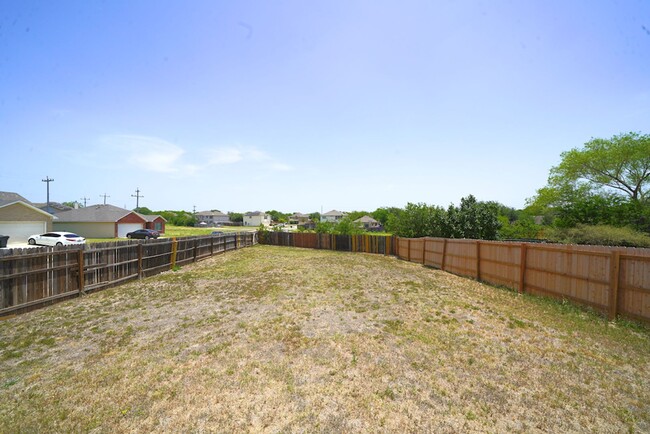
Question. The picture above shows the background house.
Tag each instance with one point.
(155, 222)
(54, 208)
(333, 216)
(19, 218)
(299, 218)
(257, 218)
(369, 223)
(100, 221)
(212, 218)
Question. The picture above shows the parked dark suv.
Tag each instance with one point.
(143, 234)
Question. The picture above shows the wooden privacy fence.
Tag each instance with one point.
(613, 280)
(380, 244)
(32, 277)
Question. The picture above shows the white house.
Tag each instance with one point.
(257, 218)
(333, 216)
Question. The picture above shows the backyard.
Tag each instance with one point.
(269, 339)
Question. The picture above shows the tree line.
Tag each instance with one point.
(598, 194)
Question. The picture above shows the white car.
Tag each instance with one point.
(56, 239)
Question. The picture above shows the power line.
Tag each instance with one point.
(48, 180)
(137, 197)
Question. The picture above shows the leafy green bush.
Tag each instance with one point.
(602, 235)
(525, 227)
(472, 219)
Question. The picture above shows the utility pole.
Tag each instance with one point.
(104, 196)
(194, 209)
(85, 199)
(48, 180)
(137, 197)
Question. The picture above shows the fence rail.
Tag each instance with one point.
(613, 280)
(380, 244)
(30, 278)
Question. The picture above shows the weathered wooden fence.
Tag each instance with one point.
(613, 280)
(33, 277)
(380, 244)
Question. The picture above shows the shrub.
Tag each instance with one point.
(603, 235)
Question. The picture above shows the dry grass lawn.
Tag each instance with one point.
(270, 339)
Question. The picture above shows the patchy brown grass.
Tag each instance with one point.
(271, 339)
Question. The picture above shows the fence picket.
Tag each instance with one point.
(30, 278)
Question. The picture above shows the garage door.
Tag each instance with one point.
(125, 228)
(19, 231)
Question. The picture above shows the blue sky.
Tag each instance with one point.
(298, 106)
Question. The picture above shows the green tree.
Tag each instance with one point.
(418, 220)
(236, 217)
(524, 227)
(177, 218)
(568, 205)
(347, 226)
(472, 219)
(383, 214)
(278, 217)
(621, 164)
(324, 227)
(144, 210)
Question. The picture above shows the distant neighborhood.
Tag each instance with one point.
(21, 218)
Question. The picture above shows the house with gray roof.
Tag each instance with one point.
(212, 218)
(368, 223)
(100, 221)
(333, 216)
(298, 218)
(55, 207)
(19, 218)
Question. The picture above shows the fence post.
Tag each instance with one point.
(478, 260)
(195, 249)
(172, 263)
(212, 246)
(614, 276)
(424, 250)
(444, 252)
(408, 250)
(80, 264)
(522, 268)
(140, 248)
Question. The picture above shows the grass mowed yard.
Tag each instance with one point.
(269, 339)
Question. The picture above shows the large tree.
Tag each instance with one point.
(621, 163)
(472, 219)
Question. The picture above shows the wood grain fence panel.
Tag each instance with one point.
(500, 263)
(460, 257)
(403, 248)
(569, 272)
(634, 286)
(416, 250)
(434, 249)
